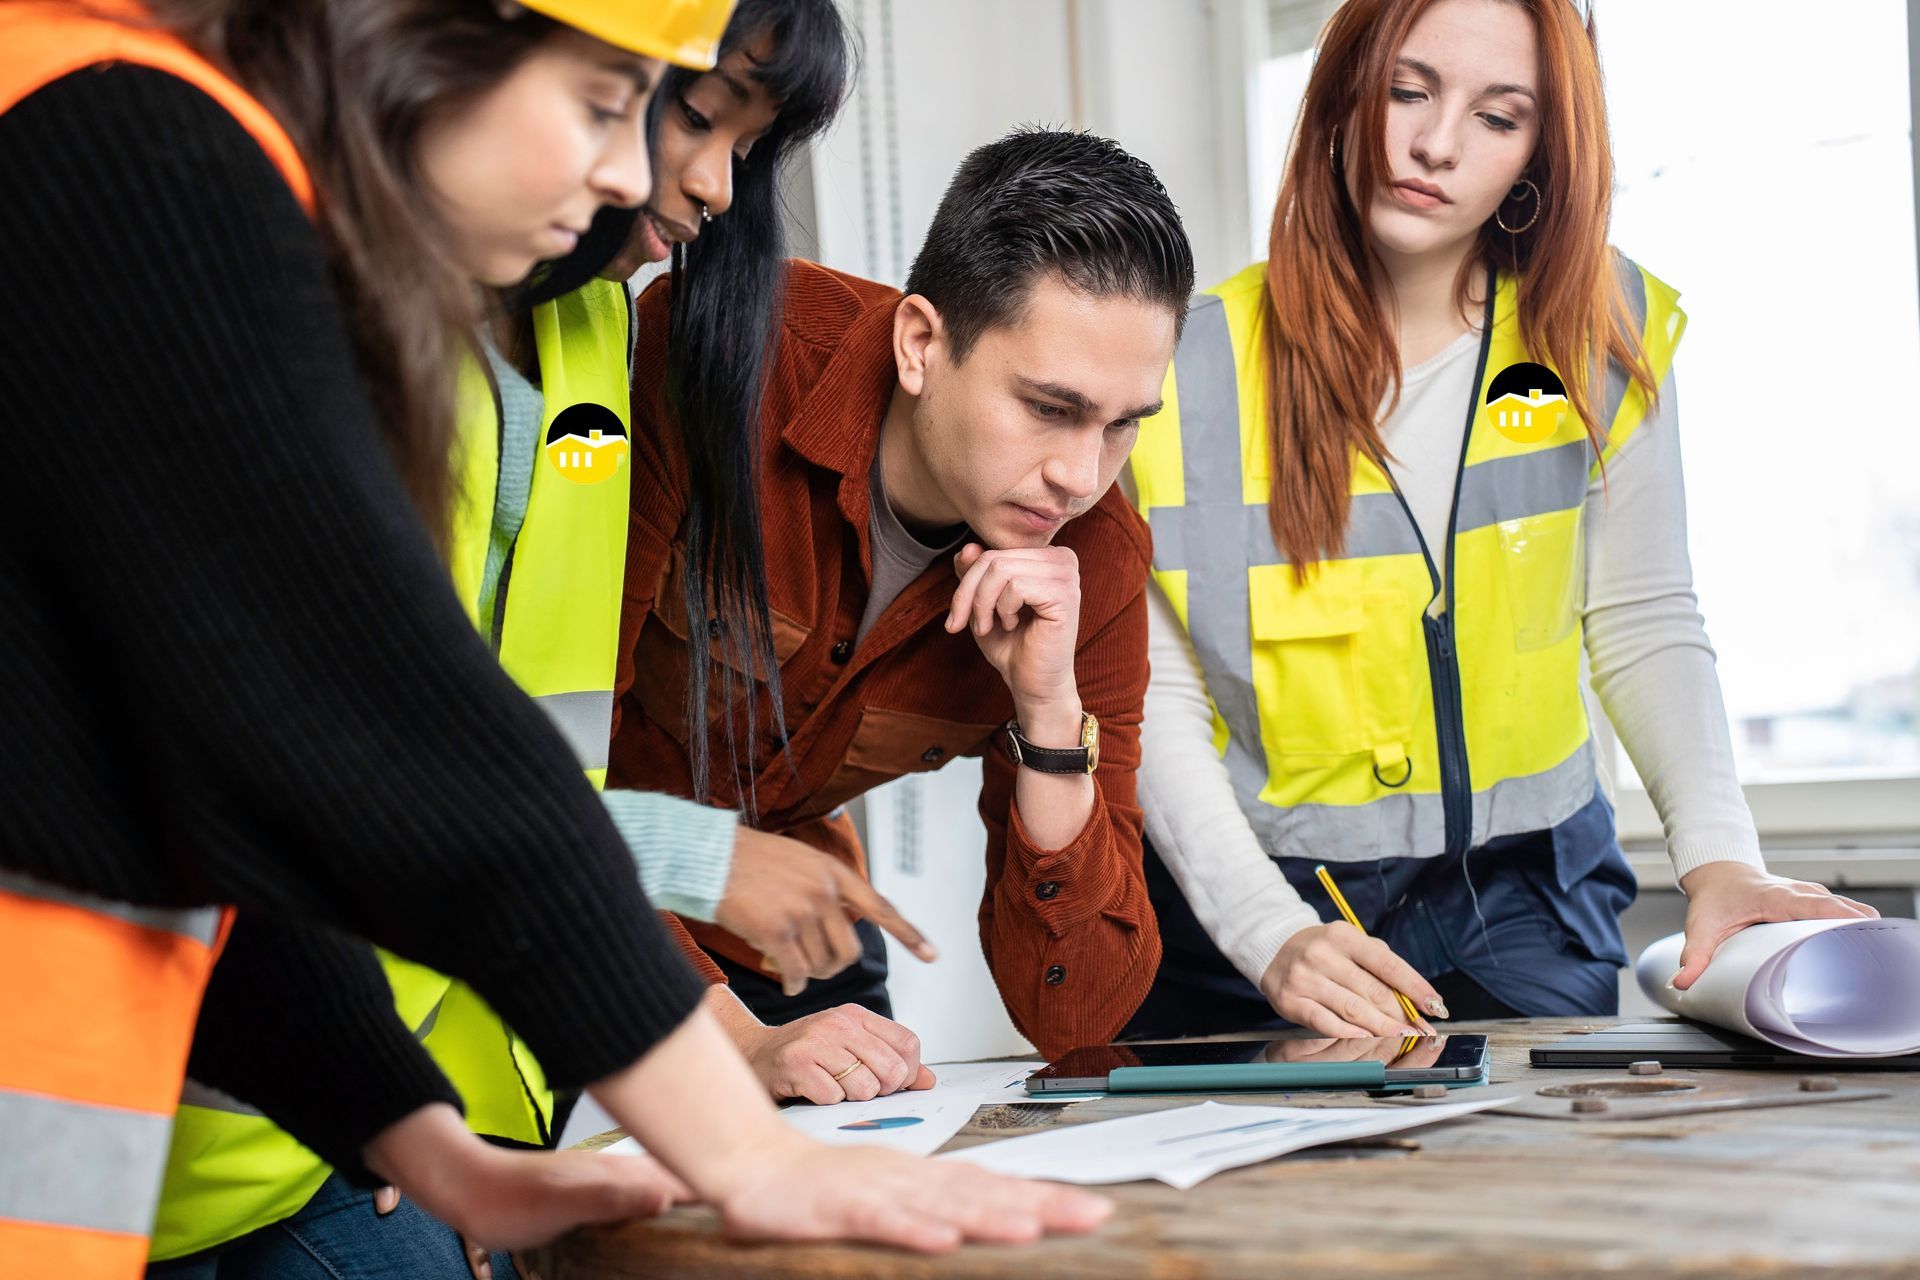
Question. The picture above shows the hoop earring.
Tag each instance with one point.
(1538, 203)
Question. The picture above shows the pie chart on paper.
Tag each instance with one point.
(883, 1122)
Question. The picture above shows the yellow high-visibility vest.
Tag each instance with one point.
(555, 629)
(1370, 712)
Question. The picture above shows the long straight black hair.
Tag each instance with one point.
(724, 317)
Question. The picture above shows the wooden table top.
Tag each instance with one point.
(1832, 1189)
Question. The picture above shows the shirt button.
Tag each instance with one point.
(1056, 974)
(842, 651)
(715, 627)
(1046, 890)
(932, 755)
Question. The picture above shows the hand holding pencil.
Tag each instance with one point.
(1334, 979)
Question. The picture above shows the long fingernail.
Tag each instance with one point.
(1437, 1009)
(1670, 982)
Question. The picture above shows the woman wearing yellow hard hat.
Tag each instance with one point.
(243, 680)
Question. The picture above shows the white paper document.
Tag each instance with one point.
(1185, 1146)
(1834, 988)
(919, 1122)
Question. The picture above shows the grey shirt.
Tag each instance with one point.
(898, 555)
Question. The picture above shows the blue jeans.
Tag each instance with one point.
(337, 1236)
(1531, 920)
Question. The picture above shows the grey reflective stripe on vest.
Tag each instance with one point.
(206, 1097)
(1412, 824)
(585, 720)
(1212, 536)
(1524, 484)
(1634, 285)
(71, 1164)
(201, 924)
(1216, 536)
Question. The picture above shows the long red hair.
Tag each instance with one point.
(1332, 354)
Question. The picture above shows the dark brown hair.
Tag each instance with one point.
(1331, 351)
(354, 82)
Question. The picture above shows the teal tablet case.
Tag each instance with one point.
(1254, 1077)
(1244, 1077)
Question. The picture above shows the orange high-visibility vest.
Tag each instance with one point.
(97, 999)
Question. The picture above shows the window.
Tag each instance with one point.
(1770, 179)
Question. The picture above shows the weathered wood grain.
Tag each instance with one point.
(1829, 1190)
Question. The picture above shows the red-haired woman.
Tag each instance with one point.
(1416, 470)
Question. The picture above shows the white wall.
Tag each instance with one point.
(938, 79)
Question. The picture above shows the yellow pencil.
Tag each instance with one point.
(1340, 901)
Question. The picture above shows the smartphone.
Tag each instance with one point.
(1295, 1063)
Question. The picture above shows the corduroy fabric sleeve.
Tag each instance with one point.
(1069, 933)
(253, 676)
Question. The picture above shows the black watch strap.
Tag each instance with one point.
(1045, 759)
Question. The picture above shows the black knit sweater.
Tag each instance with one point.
(232, 669)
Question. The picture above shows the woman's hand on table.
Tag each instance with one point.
(1333, 979)
(500, 1199)
(1725, 897)
(807, 1191)
(693, 1102)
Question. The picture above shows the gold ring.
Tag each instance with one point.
(857, 1064)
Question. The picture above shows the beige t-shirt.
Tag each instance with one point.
(898, 555)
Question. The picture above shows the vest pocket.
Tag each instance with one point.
(1544, 561)
(1331, 661)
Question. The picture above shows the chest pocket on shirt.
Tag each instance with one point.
(661, 656)
(887, 744)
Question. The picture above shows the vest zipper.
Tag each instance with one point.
(1456, 783)
(1443, 654)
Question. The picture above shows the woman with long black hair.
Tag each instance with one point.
(721, 141)
(239, 240)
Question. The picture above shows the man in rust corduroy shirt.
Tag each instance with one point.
(986, 412)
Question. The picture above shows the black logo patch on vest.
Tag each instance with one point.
(587, 444)
(1525, 401)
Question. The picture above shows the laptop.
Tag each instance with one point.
(1691, 1044)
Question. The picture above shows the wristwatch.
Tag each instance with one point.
(1084, 758)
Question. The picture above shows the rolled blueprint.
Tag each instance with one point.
(1834, 988)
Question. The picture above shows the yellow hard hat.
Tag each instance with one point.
(684, 32)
